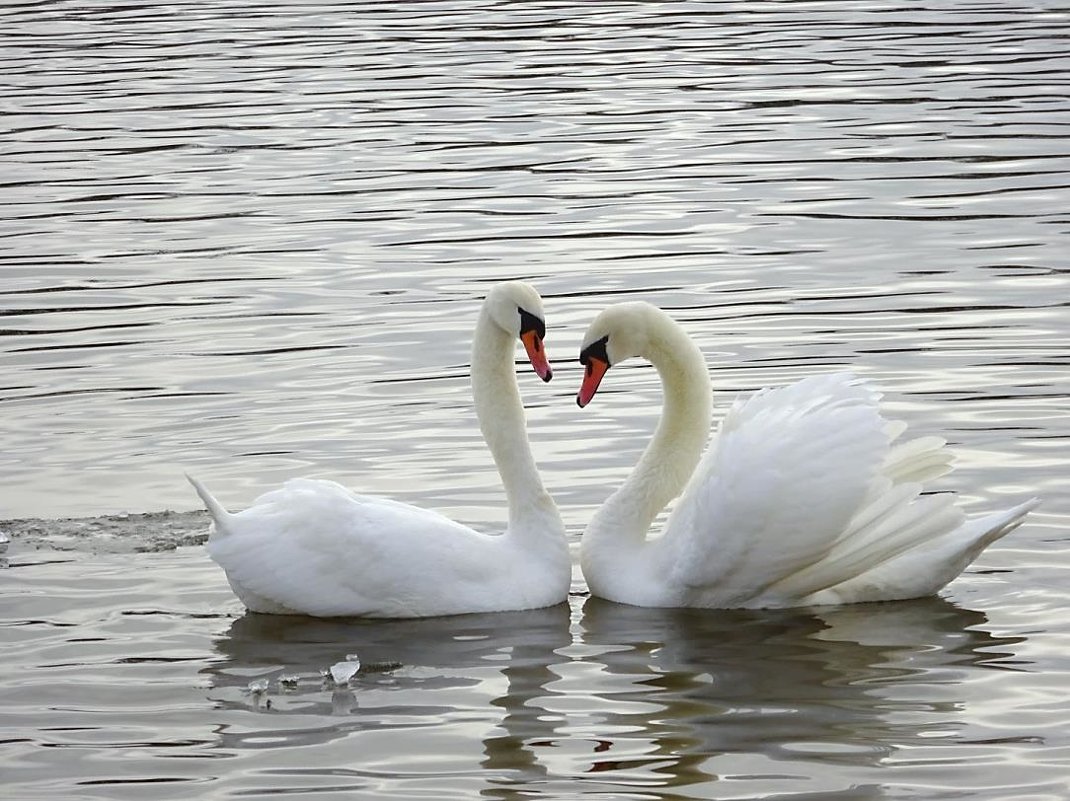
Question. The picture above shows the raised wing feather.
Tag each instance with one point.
(787, 471)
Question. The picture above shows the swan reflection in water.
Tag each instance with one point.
(618, 697)
(415, 672)
(795, 693)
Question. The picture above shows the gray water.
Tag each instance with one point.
(250, 241)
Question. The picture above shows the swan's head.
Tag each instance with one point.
(620, 332)
(517, 309)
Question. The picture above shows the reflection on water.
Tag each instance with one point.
(799, 699)
(250, 242)
(816, 699)
(148, 656)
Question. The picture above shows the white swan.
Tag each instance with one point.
(801, 498)
(316, 548)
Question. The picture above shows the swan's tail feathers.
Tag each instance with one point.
(985, 530)
(927, 566)
(220, 516)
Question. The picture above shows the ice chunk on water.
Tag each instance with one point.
(342, 672)
(289, 681)
(5, 540)
(257, 687)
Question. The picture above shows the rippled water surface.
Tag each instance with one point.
(250, 241)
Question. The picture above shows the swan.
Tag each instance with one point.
(314, 547)
(806, 495)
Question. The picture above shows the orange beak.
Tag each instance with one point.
(537, 355)
(596, 368)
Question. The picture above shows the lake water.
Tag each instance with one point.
(249, 241)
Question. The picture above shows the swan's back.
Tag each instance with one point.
(317, 548)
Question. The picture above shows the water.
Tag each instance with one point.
(249, 242)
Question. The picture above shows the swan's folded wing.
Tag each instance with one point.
(783, 477)
(317, 548)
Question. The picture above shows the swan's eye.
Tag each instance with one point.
(596, 350)
(529, 322)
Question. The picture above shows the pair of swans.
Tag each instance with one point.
(806, 496)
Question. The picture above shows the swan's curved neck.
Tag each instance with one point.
(501, 419)
(670, 458)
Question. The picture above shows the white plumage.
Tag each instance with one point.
(805, 495)
(314, 547)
